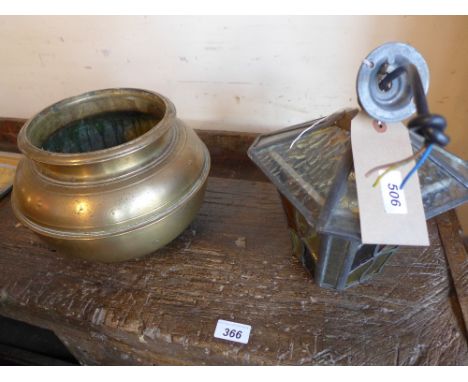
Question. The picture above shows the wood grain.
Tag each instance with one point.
(457, 258)
(233, 263)
(9, 129)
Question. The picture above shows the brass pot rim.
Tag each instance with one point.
(56, 158)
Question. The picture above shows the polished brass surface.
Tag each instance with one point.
(111, 202)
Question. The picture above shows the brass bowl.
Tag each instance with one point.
(109, 175)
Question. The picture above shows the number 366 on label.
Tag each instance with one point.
(232, 331)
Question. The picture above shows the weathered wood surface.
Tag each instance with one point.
(449, 231)
(235, 263)
(9, 129)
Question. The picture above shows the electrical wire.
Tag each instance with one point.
(305, 131)
(393, 167)
(417, 165)
(430, 126)
(395, 164)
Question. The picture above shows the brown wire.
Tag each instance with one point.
(397, 163)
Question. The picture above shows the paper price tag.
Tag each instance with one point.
(387, 214)
(393, 198)
(232, 331)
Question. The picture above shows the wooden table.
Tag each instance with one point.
(235, 263)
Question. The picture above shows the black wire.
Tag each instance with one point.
(430, 126)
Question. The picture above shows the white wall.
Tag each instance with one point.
(236, 73)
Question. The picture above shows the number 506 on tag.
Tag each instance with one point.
(393, 198)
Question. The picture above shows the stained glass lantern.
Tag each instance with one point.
(316, 182)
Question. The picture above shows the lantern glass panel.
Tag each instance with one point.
(316, 180)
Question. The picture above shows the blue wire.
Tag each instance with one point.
(420, 162)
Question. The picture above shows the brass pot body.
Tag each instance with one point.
(116, 203)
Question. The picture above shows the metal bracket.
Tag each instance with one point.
(394, 103)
